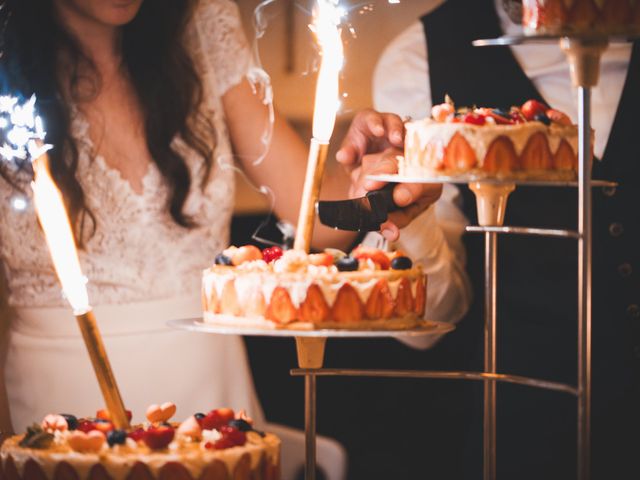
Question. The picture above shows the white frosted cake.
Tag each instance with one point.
(531, 141)
(367, 289)
(217, 446)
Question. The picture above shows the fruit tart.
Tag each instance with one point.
(272, 288)
(218, 445)
(531, 141)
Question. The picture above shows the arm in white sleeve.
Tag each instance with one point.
(434, 239)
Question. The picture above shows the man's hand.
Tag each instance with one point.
(370, 132)
(371, 147)
(412, 198)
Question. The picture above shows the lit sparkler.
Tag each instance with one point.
(25, 140)
(327, 17)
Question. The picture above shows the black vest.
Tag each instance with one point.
(537, 296)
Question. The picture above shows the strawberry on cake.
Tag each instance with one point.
(592, 17)
(219, 445)
(368, 289)
(530, 141)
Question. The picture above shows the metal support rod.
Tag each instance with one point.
(543, 232)
(310, 426)
(584, 284)
(490, 357)
(310, 356)
(438, 374)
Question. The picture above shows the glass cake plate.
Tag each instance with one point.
(506, 40)
(468, 178)
(424, 328)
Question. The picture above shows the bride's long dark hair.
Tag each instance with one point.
(160, 69)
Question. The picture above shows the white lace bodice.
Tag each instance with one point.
(138, 252)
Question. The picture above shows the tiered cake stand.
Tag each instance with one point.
(583, 53)
(584, 56)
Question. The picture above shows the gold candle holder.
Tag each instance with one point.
(312, 183)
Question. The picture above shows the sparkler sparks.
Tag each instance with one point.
(326, 26)
(24, 139)
(328, 16)
(25, 135)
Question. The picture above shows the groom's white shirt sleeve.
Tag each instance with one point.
(434, 239)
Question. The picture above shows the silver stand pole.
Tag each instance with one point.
(584, 285)
(310, 426)
(491, 203)
(584, 61)
(310, 352)
(490, 357)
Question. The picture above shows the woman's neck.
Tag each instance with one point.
(99, 41)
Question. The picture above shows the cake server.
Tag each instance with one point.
(358, 214)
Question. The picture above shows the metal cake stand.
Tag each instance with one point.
(583, 53)
(424, 328)
(465, 179)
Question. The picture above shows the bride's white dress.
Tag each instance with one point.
(143, 270)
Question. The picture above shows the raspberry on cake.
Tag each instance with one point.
(531, 141)
(368, 289)
(220, 445)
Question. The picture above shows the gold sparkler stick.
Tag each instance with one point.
(102, 368)
(312, 183)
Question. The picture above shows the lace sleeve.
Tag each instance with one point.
(220, 43)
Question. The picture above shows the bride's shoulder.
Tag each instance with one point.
(218, 42)
(217, 23)
(205, 10)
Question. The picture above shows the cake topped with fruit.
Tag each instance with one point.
(218, 445)
(592, 17)
(272, 288)
(529, 141)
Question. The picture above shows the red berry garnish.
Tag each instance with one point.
(271, 253)
(377, 256)
(474, 119)
(531, 108)
(211, 421)
(136, 435)
(215, 419)
(85, 425)
(158, 437)
(236, 436)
